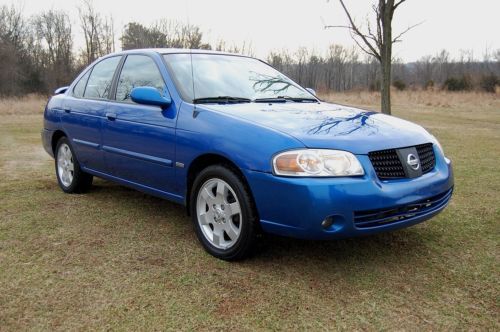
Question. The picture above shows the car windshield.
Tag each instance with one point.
(228, 78)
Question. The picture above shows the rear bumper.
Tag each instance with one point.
(357, 206)
(47, 141)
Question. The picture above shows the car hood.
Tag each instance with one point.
(331, 126)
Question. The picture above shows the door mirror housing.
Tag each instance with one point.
(311, 90)
(60, 90)
(147, 95)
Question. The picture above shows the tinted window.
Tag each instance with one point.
(80, 86)
(100, 79)
(138, 70)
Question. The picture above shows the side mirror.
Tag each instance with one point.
(61, 90)
(311, 91)
(147, 95)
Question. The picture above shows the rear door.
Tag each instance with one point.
(139, 140)
(84, 111)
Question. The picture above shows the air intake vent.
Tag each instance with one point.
(426, 156)
(387, 164)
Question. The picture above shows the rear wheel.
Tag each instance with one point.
(223, 214)
(70, 177)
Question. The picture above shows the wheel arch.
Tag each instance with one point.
(56, 136)
(203, 161)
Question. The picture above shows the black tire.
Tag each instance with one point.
(81, 181)
(248, 223)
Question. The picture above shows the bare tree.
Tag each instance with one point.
(424, 72)
(90, 21)
(98, 32)
(378, 42)
(497, 55)
(302, 56)
(244, 48)
(53, 47)
(181, 35)
(163, 33)
(14, 34)
(108, 35)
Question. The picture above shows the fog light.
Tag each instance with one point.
(327, 223)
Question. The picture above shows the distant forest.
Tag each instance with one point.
(38, 55)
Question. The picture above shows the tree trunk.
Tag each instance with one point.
(386, 54)
(385, 86)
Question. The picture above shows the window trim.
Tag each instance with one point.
(121, 65)
(85, 72)
(90, 70)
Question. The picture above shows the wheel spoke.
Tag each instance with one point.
(231, 231)
(66, 152)
(216, 237)
(65, 177)
(71, 167)
(205, 218)
(207, 195)
(221, 190)
(234, 208)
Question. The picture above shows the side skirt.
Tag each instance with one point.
(145, 189)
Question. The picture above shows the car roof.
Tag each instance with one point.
(176, 50)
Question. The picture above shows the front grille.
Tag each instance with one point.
(388, 166)
(381, 217)
(426, 156)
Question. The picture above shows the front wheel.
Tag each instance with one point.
(223, 213)
(70, 177)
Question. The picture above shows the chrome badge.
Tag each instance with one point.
(413, 161)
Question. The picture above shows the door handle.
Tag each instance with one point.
(67, 110)
(111, 116)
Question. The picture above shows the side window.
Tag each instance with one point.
(99, 83)
(79, 88)
(138, 70)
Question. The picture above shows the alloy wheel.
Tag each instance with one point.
(219, 213)
(65, 165)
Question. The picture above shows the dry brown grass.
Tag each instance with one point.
(117, 259)
(417, 99)
(22, 105)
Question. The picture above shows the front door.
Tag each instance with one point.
(139, 140)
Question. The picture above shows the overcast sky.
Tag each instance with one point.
(453, 25)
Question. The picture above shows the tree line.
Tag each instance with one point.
(341, 69)
(38, 55)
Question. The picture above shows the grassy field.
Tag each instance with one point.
(118, 259)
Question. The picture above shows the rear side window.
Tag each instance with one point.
(80, 86)
(138, 70)
(99, 83)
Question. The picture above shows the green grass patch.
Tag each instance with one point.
(115, 258)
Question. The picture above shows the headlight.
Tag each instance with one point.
(317, 162)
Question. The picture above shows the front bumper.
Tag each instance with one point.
(296, 207)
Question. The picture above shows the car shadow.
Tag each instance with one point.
(387, 248)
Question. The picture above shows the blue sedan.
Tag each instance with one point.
(243, 147)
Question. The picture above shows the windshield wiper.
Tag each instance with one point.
(284, 99)
(221, 100)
